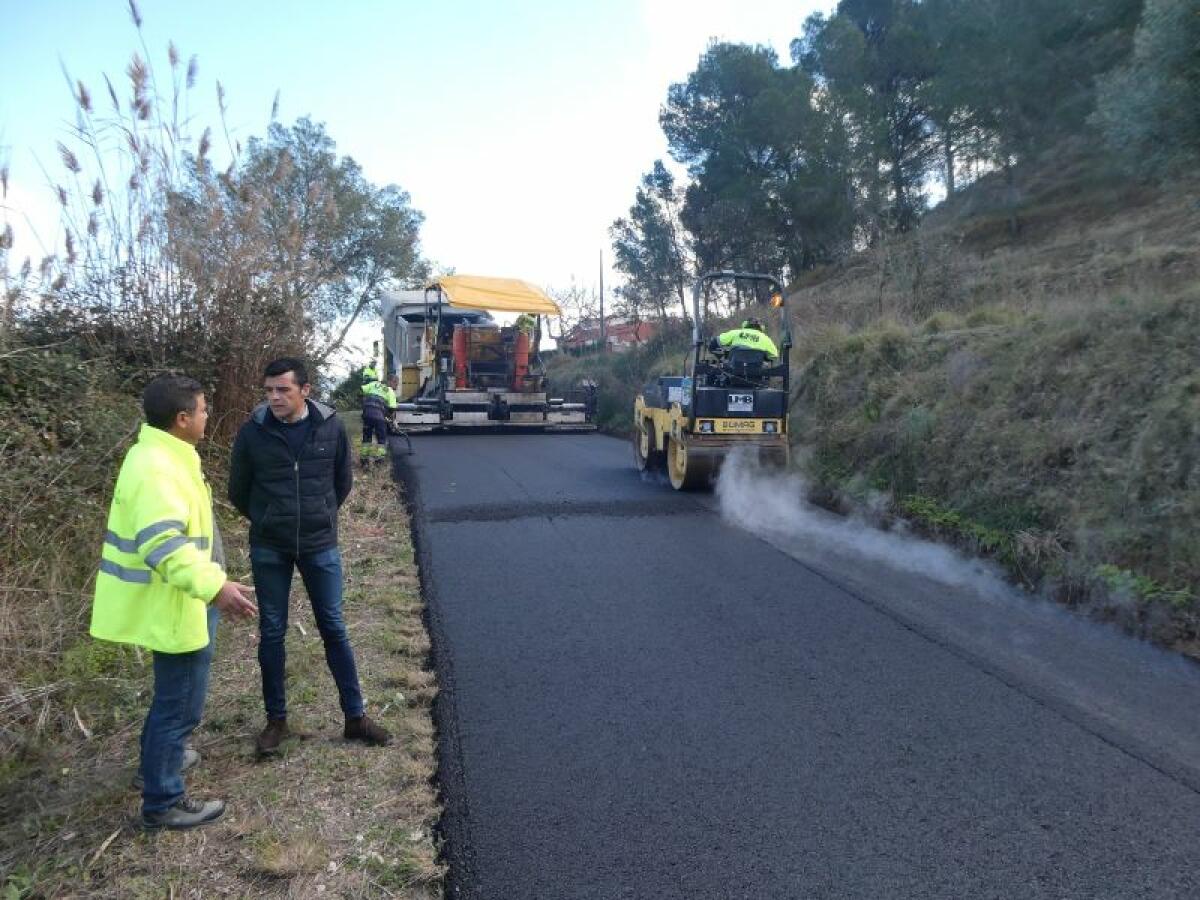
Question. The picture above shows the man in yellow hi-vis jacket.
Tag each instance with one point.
(750, 336)
(160, 585)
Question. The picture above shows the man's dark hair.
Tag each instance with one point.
(167, 396)
(287, 364)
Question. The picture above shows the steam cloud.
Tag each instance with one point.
(773, 506)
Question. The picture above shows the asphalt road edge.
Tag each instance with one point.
(453, 829)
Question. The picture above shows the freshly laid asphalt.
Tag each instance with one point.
(639, 700)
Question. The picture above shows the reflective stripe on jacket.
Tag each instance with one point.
(157, 572)
(749, 338)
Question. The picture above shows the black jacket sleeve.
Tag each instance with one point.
(343, 466)
(240, 473)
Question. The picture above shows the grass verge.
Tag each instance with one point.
(326, 818)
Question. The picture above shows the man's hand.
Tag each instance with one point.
(236, 600)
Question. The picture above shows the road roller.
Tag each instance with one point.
(727, 398)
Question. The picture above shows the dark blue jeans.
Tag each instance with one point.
(180, 686)
(374, 425)
(322, 575)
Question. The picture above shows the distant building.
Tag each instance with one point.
(620, 334)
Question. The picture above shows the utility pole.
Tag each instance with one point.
(603, 334)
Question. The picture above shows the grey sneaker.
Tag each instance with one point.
(187, 813)
(191, 759)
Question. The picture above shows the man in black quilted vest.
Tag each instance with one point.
(291, 471)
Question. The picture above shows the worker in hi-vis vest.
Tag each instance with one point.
(160, 585)
(749, 336)
(378, 402)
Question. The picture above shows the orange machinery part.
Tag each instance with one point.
(521, 360)
(460, 346)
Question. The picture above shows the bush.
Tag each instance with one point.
(65, 425)
(348, 393)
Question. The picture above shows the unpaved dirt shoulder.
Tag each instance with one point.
(326, 819)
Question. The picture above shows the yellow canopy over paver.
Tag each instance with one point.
(496, 294)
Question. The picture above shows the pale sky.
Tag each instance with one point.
(519, 128)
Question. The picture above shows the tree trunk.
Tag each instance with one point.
(6, 316)
(900, 217)
(948, 151)
(1010, 182)
(661, 306)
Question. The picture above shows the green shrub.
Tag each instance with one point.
(940, 322)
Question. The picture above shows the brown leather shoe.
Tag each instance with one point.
(363, 729)
(268, 741)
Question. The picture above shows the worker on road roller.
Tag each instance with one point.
(732, 396)
(749, 336)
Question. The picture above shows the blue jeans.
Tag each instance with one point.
(180, 686)
(322, 575)
(374, 425)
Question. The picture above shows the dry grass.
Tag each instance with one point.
(1083, 240)
(325, 819)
